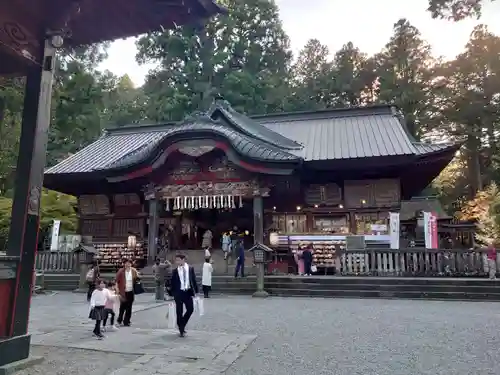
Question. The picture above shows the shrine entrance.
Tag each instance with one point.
(199, 190)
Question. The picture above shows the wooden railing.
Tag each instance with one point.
(369, 262)
(413, 262)
(55, 261)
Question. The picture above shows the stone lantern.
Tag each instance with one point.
(261, 256)
(85, 259)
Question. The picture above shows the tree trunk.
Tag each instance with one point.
(474, 165)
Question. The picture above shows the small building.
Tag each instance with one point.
(334, 172)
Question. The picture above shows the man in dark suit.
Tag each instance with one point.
(184, 288)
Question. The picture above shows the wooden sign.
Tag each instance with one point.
(328, 194)
(372, 193)
(206, 188)
(93, 205)
(192, 171)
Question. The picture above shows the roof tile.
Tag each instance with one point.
(346, 137)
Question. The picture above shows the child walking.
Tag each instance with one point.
(112, 299)
(97, 303)
(206, 278)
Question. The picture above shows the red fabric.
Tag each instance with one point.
(492, 253)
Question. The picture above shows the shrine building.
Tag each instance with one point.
(331, 172)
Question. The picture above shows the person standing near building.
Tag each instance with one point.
(92, 279)
(184, 289)
(240, 263)
(492, 261)
(206, 277)
(159, 270)
(126, 277)
(307, 257)
(226, 244)
(207, 239)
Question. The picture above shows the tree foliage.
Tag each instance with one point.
(456, 10)
(245, 57)
(54, 206)
(484, 209)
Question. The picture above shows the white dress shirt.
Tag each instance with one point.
(129, 281)
(184, 276)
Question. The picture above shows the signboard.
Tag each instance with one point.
(394, 229)
(378, 227)
(430, 230)
(54, 241)
(355, 242)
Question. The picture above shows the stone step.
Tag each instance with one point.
(363, 287)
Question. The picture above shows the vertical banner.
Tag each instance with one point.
(434, 231)
(430, 230)
(54, 241)
(394, 229)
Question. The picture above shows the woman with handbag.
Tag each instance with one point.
(129, 284)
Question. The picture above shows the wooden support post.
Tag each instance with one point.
(23, 240)
(153, 229)
(258, 237)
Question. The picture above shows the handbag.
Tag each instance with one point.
(138, 288)
(314, 269)
(199, 306)
(171, 316)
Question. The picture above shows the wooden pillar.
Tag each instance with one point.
(23, 239)
(258, 220)
(258, 238)
(153, 227)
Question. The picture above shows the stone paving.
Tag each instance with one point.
(59, 322)
(285, 336)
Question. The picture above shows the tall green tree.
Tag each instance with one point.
(404, 73)
(312, 72)
(456, 10)
(79, 101)
(243, 56)
(123, 103)
(354, 76)
(469, 92)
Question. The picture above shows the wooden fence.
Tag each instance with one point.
(414, 262)
(55, 261)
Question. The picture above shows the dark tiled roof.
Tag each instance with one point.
(345, 134)
(250, 127)
(322, 135)
(127, 146)
(241, 142)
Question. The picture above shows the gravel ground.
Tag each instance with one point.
(61, 361)
(313, 336)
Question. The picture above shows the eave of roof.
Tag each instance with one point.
(125, 147)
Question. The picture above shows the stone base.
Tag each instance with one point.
(260, 294)
(23, 364)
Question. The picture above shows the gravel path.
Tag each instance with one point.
(313, 336)
(62, 361)
(350, 336)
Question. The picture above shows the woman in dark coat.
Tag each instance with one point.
(307, 256)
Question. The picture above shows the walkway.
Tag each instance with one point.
(284, 336)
